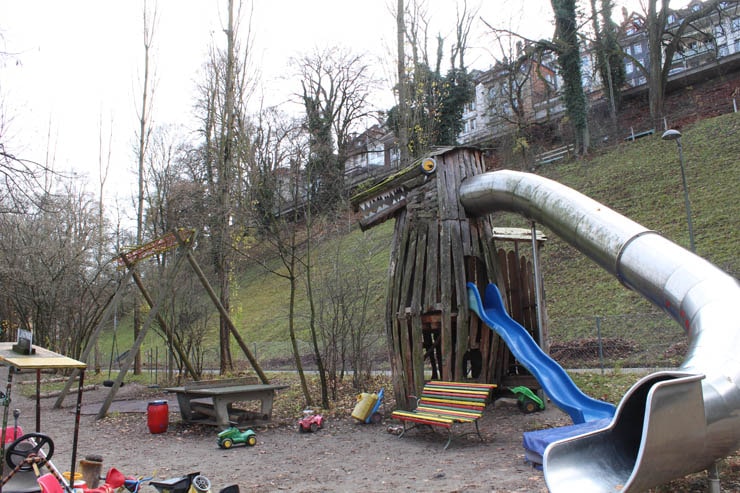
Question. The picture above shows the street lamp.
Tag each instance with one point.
(676, 135)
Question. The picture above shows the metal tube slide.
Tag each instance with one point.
(668, 424)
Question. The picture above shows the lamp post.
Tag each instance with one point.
(676, 135)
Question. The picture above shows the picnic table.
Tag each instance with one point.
(211, 402)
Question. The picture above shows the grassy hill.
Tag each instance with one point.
(640, 180)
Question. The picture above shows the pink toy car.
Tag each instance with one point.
(310, 422)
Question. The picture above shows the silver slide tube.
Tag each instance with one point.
(670, 423)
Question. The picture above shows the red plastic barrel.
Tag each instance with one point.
(157, 416)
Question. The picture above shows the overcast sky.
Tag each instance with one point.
(70, 64)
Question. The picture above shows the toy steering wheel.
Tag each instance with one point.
(26, 445)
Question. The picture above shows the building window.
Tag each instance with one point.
(695, 7)
(671, 18)
(637, 49)
(634, 26)
(629, 68)
(736, 24)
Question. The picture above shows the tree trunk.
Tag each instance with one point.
(294, 344)
(143, 140)
(403, 109)
(570, 64)
(312, 322)
(655, 62)
(223, 267)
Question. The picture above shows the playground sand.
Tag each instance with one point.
(343, 456)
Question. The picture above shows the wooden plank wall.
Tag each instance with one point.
(517, 283)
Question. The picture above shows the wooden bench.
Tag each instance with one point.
(445, 404)
(634, 136)
(554, 154)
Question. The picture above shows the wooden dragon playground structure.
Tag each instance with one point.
(436, 249)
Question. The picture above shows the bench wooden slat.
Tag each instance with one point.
(453, 403)
(424, 418)
(457, 396)
(450, 413)
(224, 382)
(452, 386)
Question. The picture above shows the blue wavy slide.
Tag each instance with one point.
(554, 380)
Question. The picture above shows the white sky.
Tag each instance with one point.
(73, 63)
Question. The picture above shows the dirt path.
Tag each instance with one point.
(344, 456)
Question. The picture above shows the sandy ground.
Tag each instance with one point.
(344, 456)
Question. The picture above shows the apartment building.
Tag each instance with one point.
(505, 98)
(527, 89)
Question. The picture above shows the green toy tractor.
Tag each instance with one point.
(232, 436)
(527, 401)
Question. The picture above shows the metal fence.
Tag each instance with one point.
(647, 341)
(158, 364)
(622, 341)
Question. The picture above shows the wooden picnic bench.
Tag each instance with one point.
(211, 402)
(445, 404)
(554, 154)
(634, 136)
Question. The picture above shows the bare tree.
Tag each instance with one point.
(518, 83)
(345, 294)
(430, 111)
(463, 25)
(104, 157)
(144, 130)
(49, 272)
(335, 87)
(184, 312)
(567, 48)
(22, 179)
(532, 55)
(225, 130)
(403, 106)
(280, 151)
(665, 40)
(609, 55)
(335, 90)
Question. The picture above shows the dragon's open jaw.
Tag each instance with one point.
(380, 208)
(383, 200)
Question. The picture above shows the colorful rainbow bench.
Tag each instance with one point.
(445, 404)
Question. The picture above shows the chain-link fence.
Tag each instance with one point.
(645, 341)
(159, 364)
(622, 341)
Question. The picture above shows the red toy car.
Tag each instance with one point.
(310, 422)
